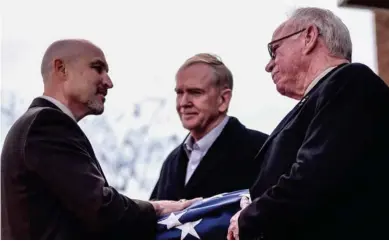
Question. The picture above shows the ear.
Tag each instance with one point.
(311, 38)
(224, 99)
(59, 68)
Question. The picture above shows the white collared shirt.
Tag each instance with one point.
(196, 151)
(317, 79)
(60, 106)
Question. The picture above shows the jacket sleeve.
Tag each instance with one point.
(56, 151)
(336, 136)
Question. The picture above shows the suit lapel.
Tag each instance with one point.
(213, 157)
(283, 123)
(179, 173)
(292, 114)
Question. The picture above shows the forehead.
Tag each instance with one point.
(281, 31)
(195, 75)
(92, 54)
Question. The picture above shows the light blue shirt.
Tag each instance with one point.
(196, 151)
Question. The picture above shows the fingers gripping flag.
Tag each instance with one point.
(205, 219)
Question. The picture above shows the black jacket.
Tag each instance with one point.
(228, 165)
(325, 167)
(52, 186)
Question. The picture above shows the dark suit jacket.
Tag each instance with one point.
(227, 166)
(325, 166)
(52, 186)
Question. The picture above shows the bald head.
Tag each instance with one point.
(67, 50)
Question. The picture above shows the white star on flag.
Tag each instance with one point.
(188, 228)
(172, 220)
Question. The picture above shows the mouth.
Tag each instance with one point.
(273, 76)
(102, 93)
(188, 114)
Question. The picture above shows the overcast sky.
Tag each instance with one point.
(145, 42)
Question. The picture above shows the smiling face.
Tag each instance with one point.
(87, 81)
(199, 102)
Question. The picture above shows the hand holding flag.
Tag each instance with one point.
(204, 219)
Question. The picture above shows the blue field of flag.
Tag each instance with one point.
(205, 219)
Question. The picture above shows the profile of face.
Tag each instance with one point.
(87, 81)
(286, 61)
(199, 102)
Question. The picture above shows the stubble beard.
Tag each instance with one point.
(95, 107)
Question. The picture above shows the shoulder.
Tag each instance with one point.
(32, 117)
(257, 135)
(51, 117)
(173, 155)
(354, 80)
(354, 74)
(241, 131)
(49, 121)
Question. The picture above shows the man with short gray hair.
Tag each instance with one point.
(325, 165)
(218, 154)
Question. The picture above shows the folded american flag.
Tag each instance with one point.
(205, 219)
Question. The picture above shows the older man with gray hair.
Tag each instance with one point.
(218, 155)
(325, 165)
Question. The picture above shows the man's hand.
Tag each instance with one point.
(165, 207)
(233, 229)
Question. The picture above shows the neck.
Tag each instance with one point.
(76, 110)
(315, 68)
(198, 134)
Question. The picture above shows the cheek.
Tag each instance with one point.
(287, 68)
(208, 106)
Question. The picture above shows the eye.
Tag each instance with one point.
(98, 68)
(275, 49)
(195, 92)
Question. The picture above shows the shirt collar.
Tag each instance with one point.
(206, 142)
(61, 106)
(317, 79)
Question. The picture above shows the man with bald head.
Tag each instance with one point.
(52, 186)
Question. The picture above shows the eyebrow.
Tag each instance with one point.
(191, 89)
(101, 63)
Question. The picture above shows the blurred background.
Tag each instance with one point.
(145, 42)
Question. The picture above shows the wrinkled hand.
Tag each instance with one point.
(233, 229)
(166, 207)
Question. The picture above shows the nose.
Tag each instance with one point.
(107, 82)
(183, 100)
(269, 67)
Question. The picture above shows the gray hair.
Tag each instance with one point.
(223, 75)
(335, 33)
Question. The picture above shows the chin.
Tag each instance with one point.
(96, 111)
(281, 89)
(99, 112)
(96, 107)
(189, 125)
